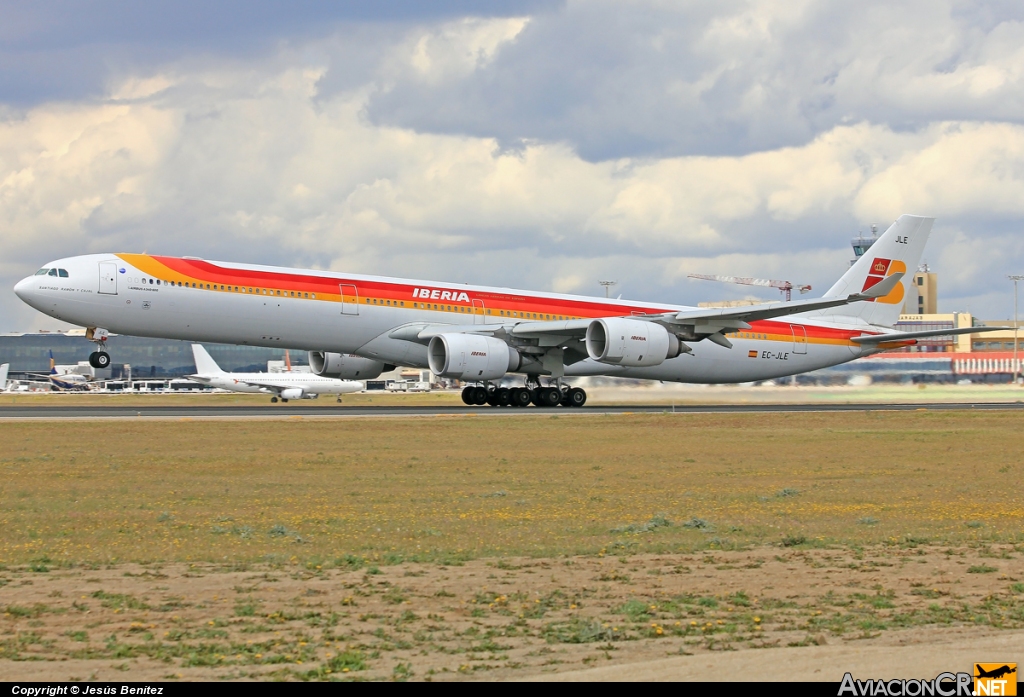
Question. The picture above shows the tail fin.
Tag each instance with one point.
(898, 249)
(205, 365)
(53, 364)
(3, 376)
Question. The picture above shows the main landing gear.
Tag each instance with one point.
(478, 395)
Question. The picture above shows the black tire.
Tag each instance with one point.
(577, 397)
(273, 400)
(284, 400)
(551, 396)
(469, 395)
(480, 396)
(503, 397)
(99, 359)
(521, 397)
(492, 398)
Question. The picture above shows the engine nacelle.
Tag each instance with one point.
(292, 393)
(471, 357)
(630, 342)
(346, 366)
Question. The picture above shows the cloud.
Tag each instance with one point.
(285, 158)
(661, 79)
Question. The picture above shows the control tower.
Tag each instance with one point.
(862, 244)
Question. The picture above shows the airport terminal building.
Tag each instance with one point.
(156, 358)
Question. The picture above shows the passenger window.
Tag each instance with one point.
(53, 272)
(63, 273)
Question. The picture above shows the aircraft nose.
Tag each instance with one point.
(23, 288)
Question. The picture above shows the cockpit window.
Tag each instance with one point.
(53, 272)
(63, 273)
(42, 272)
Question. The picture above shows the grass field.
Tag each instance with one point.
(481, 485)
(408, 547)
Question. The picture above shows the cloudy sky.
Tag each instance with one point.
(533, 144)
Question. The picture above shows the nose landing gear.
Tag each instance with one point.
(100, 358)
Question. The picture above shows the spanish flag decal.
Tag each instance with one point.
(751, 354)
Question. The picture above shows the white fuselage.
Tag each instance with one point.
(202, 301)
(274, 383)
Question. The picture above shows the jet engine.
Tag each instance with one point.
(630, 342)
(346, 366)
(471, 357)
(292, 393)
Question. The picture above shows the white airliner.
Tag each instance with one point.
(356, 326)
(285, 386)
(64, 382)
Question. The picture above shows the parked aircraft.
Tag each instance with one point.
(64, 382)
(290, 385)
(356, 326)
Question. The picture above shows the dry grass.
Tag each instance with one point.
(445, 547)
(492, 618)
(462, 487)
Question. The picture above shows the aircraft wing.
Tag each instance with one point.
(752, 313)
(710, 323)
(903, 336)
(690, 325)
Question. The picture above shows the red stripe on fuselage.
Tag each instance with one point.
(495, 301)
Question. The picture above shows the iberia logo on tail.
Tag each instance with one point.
(882, 268)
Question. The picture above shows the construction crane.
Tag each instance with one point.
(784, 286)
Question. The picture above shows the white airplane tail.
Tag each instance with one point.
(899, 249)
(205, 365)
(3, 376)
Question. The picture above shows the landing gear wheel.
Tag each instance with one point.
(273, 400)
(547, 396)
(576, 397)
(479, 396)
(503, 397)
(492, 398)
(469, 395)
(520, 397)
(284, 400)
(99, 359)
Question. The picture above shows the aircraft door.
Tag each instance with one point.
(799, 338)
(349, 299)
(479, 313)
(108, 277)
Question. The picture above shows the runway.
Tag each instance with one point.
(342, 411)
